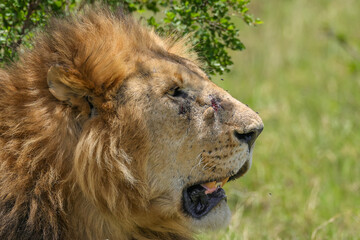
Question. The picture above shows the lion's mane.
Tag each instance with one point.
(54, 160)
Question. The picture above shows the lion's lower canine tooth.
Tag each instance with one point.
(224, 181)
(209, 185)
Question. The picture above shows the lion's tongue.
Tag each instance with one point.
(212, 186)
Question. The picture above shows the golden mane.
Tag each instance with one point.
(39, 136)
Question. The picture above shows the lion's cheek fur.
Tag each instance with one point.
(109, 168)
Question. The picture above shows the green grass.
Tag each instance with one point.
(305, 179)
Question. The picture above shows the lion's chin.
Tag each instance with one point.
(219, 217)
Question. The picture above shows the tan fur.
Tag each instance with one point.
(92, 144)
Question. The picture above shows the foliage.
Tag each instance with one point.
(210, 22)
(19, 17)
(211, 25)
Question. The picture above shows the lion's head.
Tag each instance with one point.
(139, 139)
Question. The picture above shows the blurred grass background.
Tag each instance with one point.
(301, 73)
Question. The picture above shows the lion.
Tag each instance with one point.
(109, 131)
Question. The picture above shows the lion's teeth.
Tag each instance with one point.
(224, 181)
(209, 185)
(213, 186)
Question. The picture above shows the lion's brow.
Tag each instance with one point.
(164, 55)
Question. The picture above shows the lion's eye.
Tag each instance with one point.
(175, 92)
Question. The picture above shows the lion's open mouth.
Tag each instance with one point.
(200, 199)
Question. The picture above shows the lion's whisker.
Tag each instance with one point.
(198, 164)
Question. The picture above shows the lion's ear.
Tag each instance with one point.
(61, 85)
(67, 88)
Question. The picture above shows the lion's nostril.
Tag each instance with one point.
(248, 137)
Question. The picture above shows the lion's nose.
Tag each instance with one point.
(248, 137)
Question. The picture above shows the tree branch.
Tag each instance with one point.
(28, 24)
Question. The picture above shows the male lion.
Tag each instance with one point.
(108, 131)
